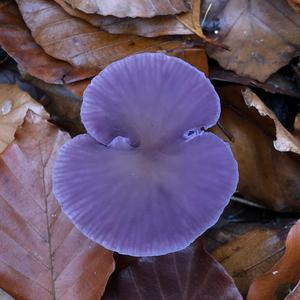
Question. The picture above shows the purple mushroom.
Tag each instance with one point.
(146, 179)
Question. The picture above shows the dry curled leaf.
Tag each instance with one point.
(16, 39)
(263, 35)
(14, 104)
(285, 141)
(266, 176)
(279, 281)
(132, 8)
(185, 275)
(42, 255)
(79, 43)
(148, 27)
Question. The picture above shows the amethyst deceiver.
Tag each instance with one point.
(146, 179)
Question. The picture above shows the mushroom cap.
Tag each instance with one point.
(146, 179)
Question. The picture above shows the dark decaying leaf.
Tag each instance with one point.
(186, 275)
(263, 35)
(276, 83)
(42, 255)
(16, 39)
(61, 103)
(79, 43)
(132, 8)
(267, 176)
(284, 275)
(148, 27)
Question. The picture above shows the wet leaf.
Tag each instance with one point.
(86, 46)
(131, 8)
(148, 27)
(263, 35)
(188, 274)
(266, 176)
(14, 104)
(43, 256)
(16, 39)
(280, 280)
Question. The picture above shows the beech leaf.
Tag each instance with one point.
(14, 104)
(276, 283)
(132, 8)
(263, 35)
(148, 27)
(251, 138)
(79, 43)
(185, 275)
(42, 255)
(251, 254)
(29, 55)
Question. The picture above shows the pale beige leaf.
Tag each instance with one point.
(131, 8)
(14, 104)
(285, 141)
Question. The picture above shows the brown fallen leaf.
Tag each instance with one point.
(266, 176)
(16, 39)
(277, 282)
(14, 104)
(148, 27)
(263, 35)
(131, 8)
(251, 254)
(42, 255)
(77, 42)
(5, 296)
(285, 141)
(247, 241)
(185, 275)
